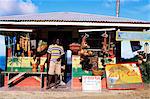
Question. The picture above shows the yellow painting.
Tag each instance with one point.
(18, 62)
(119, 74)
(76, 61)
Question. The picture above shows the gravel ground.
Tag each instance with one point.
(70, 94)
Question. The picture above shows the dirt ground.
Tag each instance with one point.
(70, 94)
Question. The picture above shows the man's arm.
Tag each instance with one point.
(48, 55)
(48, 59)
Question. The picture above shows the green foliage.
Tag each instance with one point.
(145, 69)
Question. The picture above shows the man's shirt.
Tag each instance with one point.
(56, 51)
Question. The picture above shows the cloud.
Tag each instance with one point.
(14, 7)
(27, 7)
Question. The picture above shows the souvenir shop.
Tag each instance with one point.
(89, 48)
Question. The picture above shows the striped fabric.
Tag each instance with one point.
(56, 51)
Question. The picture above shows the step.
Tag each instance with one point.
(16, 77)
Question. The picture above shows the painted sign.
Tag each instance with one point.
(18, 62)
(78, 72)
(22, 61)
(132, 36)
(91, 83)
(2, 53)
(123, 76)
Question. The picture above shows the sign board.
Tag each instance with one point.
(123, 76)
(2, 53)
(132, 36)
(18, 62)
(91, 83)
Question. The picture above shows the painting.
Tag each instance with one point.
(78, 73)
(123, 76)
(2, 53)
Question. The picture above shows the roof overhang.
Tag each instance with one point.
(91, 30)
(16, 30)
(77, 24)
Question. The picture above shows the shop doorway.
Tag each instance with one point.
(65, 39)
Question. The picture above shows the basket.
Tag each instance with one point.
(74, 47)
(97, 72)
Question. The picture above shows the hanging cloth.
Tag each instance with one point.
(126, 50)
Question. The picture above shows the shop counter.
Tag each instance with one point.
(17, 76)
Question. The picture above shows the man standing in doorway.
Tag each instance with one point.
(55, 53)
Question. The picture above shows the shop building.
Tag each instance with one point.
(26, 33)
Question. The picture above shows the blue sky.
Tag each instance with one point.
(135, 9)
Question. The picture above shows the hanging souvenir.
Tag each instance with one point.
(34, 63)
(104, 35)
(23, 42)
(29, 52)
(13, 46)
(20, 41)
(18, 47)
(9, 42)
(33, 44)
(9, 47)
(26, 44)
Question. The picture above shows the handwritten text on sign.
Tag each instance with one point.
(91, 83)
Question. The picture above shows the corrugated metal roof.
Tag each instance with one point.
(69, 17)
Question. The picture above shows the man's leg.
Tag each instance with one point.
(57, 79)
(50, 75)
(49, 79)
(57, 74)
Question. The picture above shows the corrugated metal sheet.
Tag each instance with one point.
(69, 17)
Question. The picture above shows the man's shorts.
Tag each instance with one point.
(54, 68)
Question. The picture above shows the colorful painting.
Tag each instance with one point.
(22, 63)
(2, 53)
(18, 62)
(123, 76)
(78, 73)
